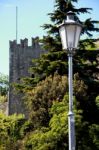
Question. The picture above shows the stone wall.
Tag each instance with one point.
(20, 57)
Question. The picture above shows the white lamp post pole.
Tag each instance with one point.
(71, 121)
(70, 33)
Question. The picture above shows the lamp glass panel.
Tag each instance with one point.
(77, 36)
(70, 34)
(62, 32)
(70, 30)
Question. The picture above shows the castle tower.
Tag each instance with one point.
(20, 59)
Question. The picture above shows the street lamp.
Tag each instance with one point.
(70, 33)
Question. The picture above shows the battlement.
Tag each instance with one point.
(24, 43)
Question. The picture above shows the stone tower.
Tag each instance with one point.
(20, 59)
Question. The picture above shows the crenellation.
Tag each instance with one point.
(24, 43)
(13, 44)
(35, 42)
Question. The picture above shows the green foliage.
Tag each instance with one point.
(10, 131)
(3, 104)
(56, 136)
(50, 63)
(97, 101)
(26, 127)
(56, 59)
(52, 41)
(94, 134)
(40, 99)
(3, 99)
(3, 79)
(51, 138)
(3, 84)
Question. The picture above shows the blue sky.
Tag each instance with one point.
(31, 15)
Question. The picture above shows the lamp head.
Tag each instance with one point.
(70, 32)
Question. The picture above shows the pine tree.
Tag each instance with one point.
(56, 59)
(85, 62)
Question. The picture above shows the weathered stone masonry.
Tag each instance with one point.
(20, 57)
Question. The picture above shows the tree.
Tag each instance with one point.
(10, 131)
(55, 137)
(56, 58)
(85, 61)
(4, 85)
(39, 100)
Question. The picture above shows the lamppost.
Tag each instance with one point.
(70, 33)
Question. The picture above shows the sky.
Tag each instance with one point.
(32, 14)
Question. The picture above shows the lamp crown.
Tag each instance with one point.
(70, 16)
